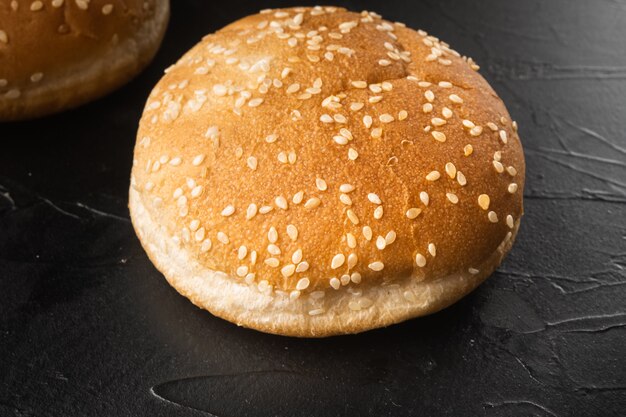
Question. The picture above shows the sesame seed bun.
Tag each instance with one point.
(58, 54)
(313, 171)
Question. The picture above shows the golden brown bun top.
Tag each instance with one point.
(276, 146)
(41, 40)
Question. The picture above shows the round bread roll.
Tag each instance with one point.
(313, 172)
(58, 54)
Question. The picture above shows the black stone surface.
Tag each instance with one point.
(88, 327)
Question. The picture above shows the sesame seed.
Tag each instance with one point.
(228, 211)
(255, 102)
(511, 170)
(452, 198)
(512, 188)
(107, 9)
(346, 188)
(13, 94)
(378, 213)
(316, 312)
(298, 197)
(223, 238)
(325, 118)
(352, 154)
(446, 112)
(376, 266)
(281, 202)
(312, 203)
(450, 170)
(432, 249)
(265, 209)
(197, 160)
(206, 245)
(381, 243)
(38, 5)
(436, 121)
(483, 201)
(509, 221)
(242, 252)
(302, 266)
(352, 216)
(492, 216)
(340, 140)
(386, 118)
(377, 133)
(272, 262)
(455, 99)
(402, 114)
(375, 99)
(468, 124)
(288, 270)
(445, 84)
(36, 77)
(271, 138)
(351, 240)
(335, 283)
(492, 126)
(292, 232)
(303, 284)
(413, 212)
(468, 150)
(252, 163)
(251, 211)
(433, 176)
(196, 191)
(359, 84)
(476, 131)
(82, 4)
(503, 136)
(427, 108)
(356, 106)
(293, 88)
(497, 156)
(420, 260)
(367, 121)
(424, 198)
(374, 198)
(439, 136)
(430, 96)
(345, 199)
(498, 166)
(294, 295)
(337, 261)
(367, 232)
(321, 184)
(460, 177)
(296, 257)
(242, 271)
(355, 277)
(473, 271)
(272, 235)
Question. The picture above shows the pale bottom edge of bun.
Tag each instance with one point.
(89, 80)
(231, 299)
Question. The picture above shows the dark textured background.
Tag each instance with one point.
(88, 327)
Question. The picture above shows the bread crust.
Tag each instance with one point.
(299, 163)
(58, 57)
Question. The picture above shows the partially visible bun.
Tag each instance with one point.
(313, 171)
(58, 54)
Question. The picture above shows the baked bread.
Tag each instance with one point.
(58, 54)
(313, 171)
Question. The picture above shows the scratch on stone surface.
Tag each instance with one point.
(59, 209)
(580, 170)
(520, 402)
(101, 213)
(592, 133)
(590, 283)
(578, 155)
